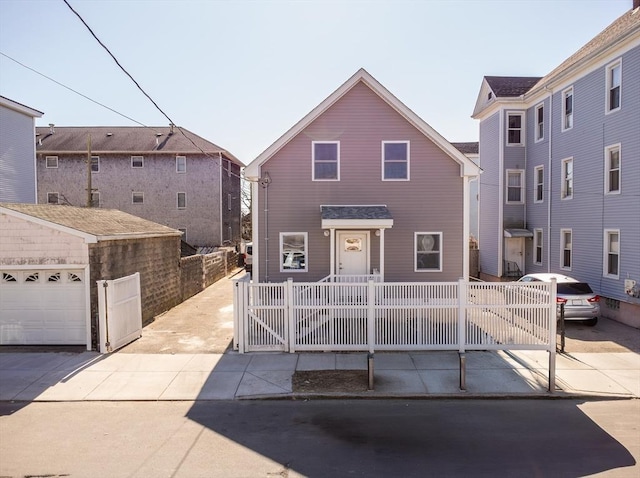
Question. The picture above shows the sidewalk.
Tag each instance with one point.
(119, 376)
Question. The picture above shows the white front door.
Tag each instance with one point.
(353, 252)
(514, 251)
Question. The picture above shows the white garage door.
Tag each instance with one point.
(42, 307)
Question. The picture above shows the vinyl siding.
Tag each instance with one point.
(17, 157)
(431, 201)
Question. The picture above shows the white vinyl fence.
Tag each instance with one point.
(119, 312)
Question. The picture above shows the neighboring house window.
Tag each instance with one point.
(181, 164)
(293, 252)
(53, 198)
(611, 253)
(95, 164)
(228, 161)
(182, 200)
(514, 129)
(566, 248)
(567, 179)
(515, 186)
(539, 177)
(137, 161)
(539, 122)
(137, 198)
(567, 109)
(612, 169)
(537, 246)
(395, 160)
(428, 252)
(229, 202)
(326, 160)
(183, 230)
(95, 199)
(51, 162)
(614, 82)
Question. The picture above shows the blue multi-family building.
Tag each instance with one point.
(560, 189)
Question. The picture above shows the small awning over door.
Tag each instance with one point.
(517, 233)
(356, 217)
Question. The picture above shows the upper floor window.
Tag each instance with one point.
(611, 266)
(428, 252)
(614, 82)
(137, 161)
(612, 169)
(51, 161)
(293, 252)
(567, 179)
(514, 129)
(53, 198)
(515, 186)
(567, 109)
(137, 198)
(326, 160)
(537, 246)
(182, 200)
(395, 160)
(95, 164)
(539, 122)
(566, 248)
(181, 164)
(539, 178)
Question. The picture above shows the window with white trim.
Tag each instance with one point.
(95, 164)
(614, 84)
(395, 160)
(326, 160)
(566, 248)
(611, 261)
(137, 161)
(537, 246)
(612, 169)
(539, 112)
(182, 200)
(95, 199)
(567, 109)
(515, 124)
(566, 191)
(515, 186)
(539, 186)
(428, 252)
(137, 197)
(293, 252)
(51, 162)
(181, 164)
(53, 198)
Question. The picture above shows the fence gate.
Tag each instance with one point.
(119, 312)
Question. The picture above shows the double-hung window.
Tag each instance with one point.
(95, 164)
(539, 178)
(137, 161)
(612, 169)
(514, 129)
(567, 109)
(515, 186)
(181, 164)
(182, 200)
(611, 260)
(395, 160)
(539, 112)
(428, 252)
(293, 252)
(53, 198)
(51, 162)
(614, 83)
(137, 197)
(537, 246)
(566, 191)
(566, 248)
(326, 160)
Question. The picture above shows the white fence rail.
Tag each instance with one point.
(119, 312)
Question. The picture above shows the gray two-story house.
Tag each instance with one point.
(560, 189)
(164, 174)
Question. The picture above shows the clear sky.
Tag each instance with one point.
(241, 73)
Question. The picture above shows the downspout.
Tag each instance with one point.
(549, 188)
(264, 182)
(465, 227)
(501, 194)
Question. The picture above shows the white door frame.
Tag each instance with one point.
(338, 248)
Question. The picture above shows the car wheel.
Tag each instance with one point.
(591, 322)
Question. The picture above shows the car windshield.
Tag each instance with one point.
(574, 288)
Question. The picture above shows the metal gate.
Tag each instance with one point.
(119, 312)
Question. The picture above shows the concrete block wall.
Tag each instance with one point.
(191, 276)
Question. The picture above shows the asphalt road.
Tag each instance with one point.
(372, 438)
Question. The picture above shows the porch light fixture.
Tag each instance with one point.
(326, 233)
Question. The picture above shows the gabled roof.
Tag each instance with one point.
(468, 148)
(19, 107)
(125, 139)
(102, 224)
(467, 167)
